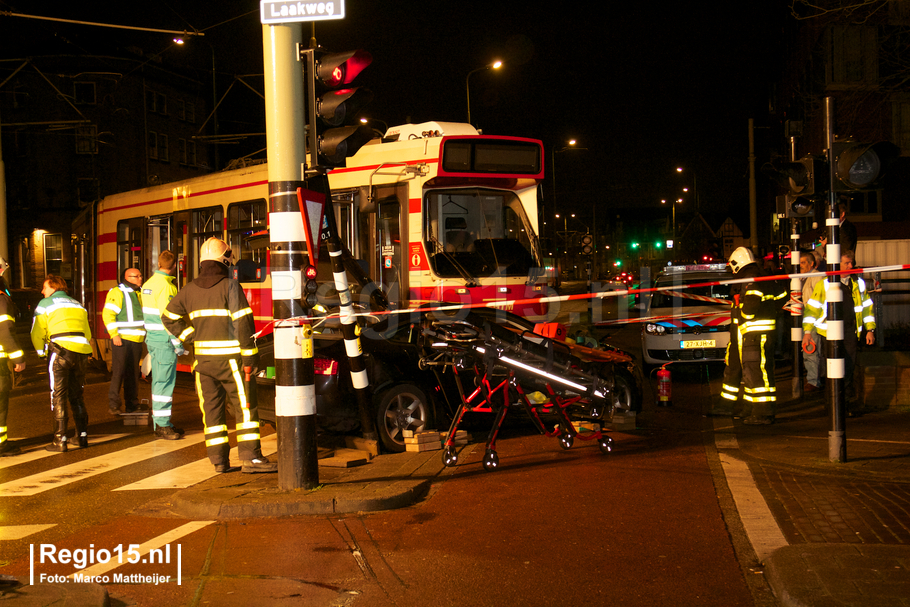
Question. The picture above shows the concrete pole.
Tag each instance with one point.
(295, 393)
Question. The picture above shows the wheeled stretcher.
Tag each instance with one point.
(512, 367)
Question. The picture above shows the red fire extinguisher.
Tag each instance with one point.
(664, 387)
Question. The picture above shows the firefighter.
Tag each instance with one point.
(10, 352)
(60, 331)
(212, 314)
(750, 354)
(122, 316)
(163, 347)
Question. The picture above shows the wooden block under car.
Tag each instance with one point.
(363, 444)
(422, 437)
(427, 446)
(624, 422)
(586, 426)
(353, 453)
(342, 462)
(137, 418)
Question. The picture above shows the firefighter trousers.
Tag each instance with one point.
(164, 377)
(750, 361)
(219, 381)
(6, 385)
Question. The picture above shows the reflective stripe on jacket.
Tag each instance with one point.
(122, 313)
(815, 311)
(8, 346)
(62, 320)
(157, 293)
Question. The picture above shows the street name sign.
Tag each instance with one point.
(294, 11)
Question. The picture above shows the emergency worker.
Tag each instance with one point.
(122, 316)
(11, 352)
(212, 314)
(157, 293)
(750, 358)
(815, 316)
(60, 331)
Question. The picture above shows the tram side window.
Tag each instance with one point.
(244, 221)
(206, 223)
(129, 245)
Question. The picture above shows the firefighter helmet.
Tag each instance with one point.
(3, 266)
(740, 258)
(215, 249)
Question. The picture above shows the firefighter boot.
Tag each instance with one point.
(258, 465)
(721, 407)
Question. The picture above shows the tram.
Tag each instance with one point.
(432, 212)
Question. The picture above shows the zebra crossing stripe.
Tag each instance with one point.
(39, 452)
(195, 472)
(17, 532)
(65, 475)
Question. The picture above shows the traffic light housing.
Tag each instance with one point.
(861, 166)
(805, 177)
(332, 107)
(587, 244)
(310, 286)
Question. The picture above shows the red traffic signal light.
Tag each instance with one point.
(338, 69)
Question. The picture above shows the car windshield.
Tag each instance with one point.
(670, 299)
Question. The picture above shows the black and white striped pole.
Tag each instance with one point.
(295, 395)
(834, 329)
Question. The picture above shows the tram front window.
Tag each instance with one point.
(478, 232)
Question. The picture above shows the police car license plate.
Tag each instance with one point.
(698, 343)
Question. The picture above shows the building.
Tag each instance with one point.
(78, 128)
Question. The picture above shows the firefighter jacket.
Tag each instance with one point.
(815, 311)
(213, 314)
(122, 313)
(157, 293)
(8, 347)
(756, 308)
(62, 320)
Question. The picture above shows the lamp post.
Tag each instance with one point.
(694, 186)
(467, 81)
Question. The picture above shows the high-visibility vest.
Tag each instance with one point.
(122, 314)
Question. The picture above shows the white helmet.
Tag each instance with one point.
(3, 266)
(215, 249)
(740, 258)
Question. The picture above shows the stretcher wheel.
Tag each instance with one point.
(606, 445)
(490, 461)
(566, 441)
(449, 457)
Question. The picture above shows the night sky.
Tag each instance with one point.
(643, 88)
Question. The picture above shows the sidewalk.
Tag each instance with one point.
(847, 524)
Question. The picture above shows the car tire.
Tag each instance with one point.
(624, 393)
(402, 407)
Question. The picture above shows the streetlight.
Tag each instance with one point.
(565, 235)
(383, 123)
(673, 219)
(694, 186)
(467, 81)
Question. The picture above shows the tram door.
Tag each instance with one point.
(129, 245)
(389, 231)
(158, 238)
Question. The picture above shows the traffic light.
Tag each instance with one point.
(861, 166)
(805, 177)
(587, 244)
(634, 245)
(310, 287)
(657, 244)
(333, 103)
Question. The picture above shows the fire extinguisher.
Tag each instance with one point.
(664, 387)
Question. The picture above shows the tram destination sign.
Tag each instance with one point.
(293, 11)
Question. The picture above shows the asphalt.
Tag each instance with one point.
(845, 525)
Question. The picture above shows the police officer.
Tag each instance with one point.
(9, 351)
(122, 316)
(213, 315)
(750, 355)
(60, 331)
(163, 347)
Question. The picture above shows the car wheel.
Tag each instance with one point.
(624, 393)
(402, 407)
